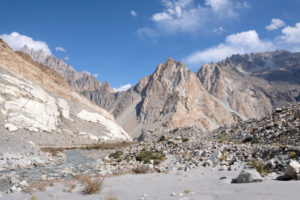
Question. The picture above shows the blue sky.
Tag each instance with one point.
(123, 41)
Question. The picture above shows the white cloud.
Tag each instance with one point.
(123, 88)
(146, 33)
(276, 23)
(291, 35)
(217, 4)
(189, 15)
(244, 42)
(133, 13)
(60, 49)
(66, 58)
(95, 75)
(16, 41)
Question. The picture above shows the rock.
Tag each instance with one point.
(292, 169)
(44, 177)
(173, 194)
(23, 184)
(284, 178)
(248, 138)
(249, 176)
(11, 127)
(269, 164)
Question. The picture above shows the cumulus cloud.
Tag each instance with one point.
(291, 35)
(66, 58)
(276, 23)
(146, 33)
(16, 41)
(123, 88)
(60, 49)
(239, 43)
(189, 15)
(133, 13)
(95, 75)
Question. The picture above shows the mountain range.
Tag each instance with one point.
(237, 88)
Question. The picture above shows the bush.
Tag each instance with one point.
(292, 154)
(92, 186)
(116, 154)
(145, 156)
(259, 166)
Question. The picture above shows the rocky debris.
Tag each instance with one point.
(282, 128)
(249, 176)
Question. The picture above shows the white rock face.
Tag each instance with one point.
(63, 108)
(115, 131)
(28, 106)
(32, 115)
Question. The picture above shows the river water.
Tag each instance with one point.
(75, 159)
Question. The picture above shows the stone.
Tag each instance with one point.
(44, 177)
(249, 176)
(284, 178)
(248, 138)
(10, 127)
(292, 169)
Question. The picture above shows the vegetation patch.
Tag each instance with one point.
(146, 155)
(140, 169)
(259, 166)
(93, 186)
(116, 155)
(102, 146)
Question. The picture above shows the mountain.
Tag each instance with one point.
(238, 88)
(37, 104)
(254, 84)
(79, 81)
(171, 97)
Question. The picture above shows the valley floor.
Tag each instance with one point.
(201, 183)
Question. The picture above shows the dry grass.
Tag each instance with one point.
(187, 191)
(141, 170)
(103, 146)
(33, 198)
(39, 186)
(93, 186)
(111, 196)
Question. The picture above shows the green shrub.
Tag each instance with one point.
(259, 166)
(145, 156)
(116, 154)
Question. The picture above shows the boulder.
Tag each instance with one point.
(249, 176)
(292, 169)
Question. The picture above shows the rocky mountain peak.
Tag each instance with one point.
(171, 73)
(79, 81)
(106, 86)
